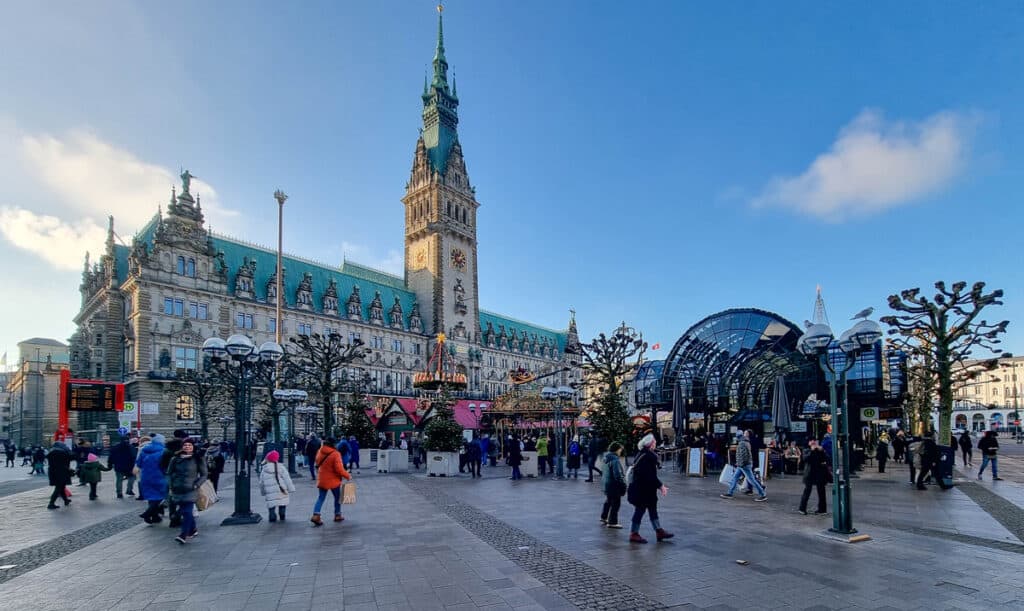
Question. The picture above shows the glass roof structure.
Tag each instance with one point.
(729, 361)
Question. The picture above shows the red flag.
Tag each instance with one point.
(656, 346)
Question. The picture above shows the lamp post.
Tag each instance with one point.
(815, 343)
(559, 395)
(241, 354)
(224, 422)
(291, 397)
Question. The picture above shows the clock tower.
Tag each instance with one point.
(440, 215)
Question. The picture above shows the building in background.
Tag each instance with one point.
(34, 389)
(147, 308)
(994, 401)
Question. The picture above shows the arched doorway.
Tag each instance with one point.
(995, 421)
(960, 421)
(978, 423)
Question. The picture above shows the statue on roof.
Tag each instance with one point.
(460, 297)
(186, 182)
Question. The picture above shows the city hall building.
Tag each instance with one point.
(146, 309)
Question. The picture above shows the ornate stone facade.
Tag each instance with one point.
(147, 308)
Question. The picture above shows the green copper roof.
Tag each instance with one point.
(373, 275)
(121, 257)
(369, 281)
(497, 320)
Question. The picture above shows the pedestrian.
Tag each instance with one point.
(474, 456)
(345, 450)
(597, 448)
(515, 457)
(793, 457)
(573, 463)
(152, 480)
(122, 460)
(60, 473)
(643, 491)
(312, 449)
(353, 448)
(416, 452)
(899, 446)
(214, 465)
(275, 486)
(966, 446)
(542, 455)
(330, 473)
(186, 472)
(989, 447)
(171, 450)
(882, 451)
(816, 474)
(928, 458)
(613, 484)
(10, 450)
(91, 473)
(826, 446)
(744, 461)
(39, 456)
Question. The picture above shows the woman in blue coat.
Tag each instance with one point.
(152, 481)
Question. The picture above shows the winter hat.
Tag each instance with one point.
(180, 433)
(273, 456)
(91, 458)
(646, 442)
(158, 438)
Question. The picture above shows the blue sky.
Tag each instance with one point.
(648, 161)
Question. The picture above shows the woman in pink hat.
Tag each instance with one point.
(90, 473)
(275, 485)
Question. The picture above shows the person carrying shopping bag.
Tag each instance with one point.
(329, 476)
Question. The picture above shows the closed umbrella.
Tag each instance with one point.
(780, 407)
(678, 409)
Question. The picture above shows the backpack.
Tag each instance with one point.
(574, 449)
(629, 471)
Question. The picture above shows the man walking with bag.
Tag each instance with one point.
(744, 462)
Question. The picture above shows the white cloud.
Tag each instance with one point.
(93, 180)
(876, 164)
(61, 244)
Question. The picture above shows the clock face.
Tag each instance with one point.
(458, 259)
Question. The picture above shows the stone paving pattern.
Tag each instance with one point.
(418, 543)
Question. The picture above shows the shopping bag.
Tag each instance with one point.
(728, 471)
(348, 493)
(206, 496)
(67, 492)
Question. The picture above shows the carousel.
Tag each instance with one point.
(527, 411)
(440, 371)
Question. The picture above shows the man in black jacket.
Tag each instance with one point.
(816, 472)
(122, 461)
(60, 472)
(989, 447)
(172, 448)
(597, 448)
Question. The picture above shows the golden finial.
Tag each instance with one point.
(440, 8)
(440, 336)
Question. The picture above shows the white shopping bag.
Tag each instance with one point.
(727, 474)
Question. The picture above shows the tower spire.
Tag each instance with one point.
(440, 107)
(820, 316)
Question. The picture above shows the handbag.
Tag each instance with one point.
(348, 493)
(728, 472)
(206, 496)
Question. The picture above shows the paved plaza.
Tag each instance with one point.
(413, 542)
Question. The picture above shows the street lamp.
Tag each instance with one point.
(815, 342)
(291, 397)
(559, 395)
(242, 354)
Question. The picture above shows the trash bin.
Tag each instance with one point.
(944, 468)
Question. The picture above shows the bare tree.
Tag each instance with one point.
(317, 361)
(208, 391)
(607, 360)
(942, 334)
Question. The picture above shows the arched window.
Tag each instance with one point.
(181, 265)
(190, 270)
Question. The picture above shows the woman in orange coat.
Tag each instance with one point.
(329, 476)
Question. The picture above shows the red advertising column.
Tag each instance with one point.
(62, 410)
